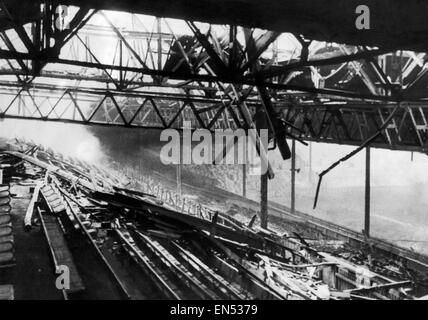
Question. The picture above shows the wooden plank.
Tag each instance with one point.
(381, 287)
(59, 250)
(145, 263)
(52, 199)
(30, 209)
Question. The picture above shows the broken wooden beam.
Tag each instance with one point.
(59, 250)
(30, 209)
(379, 287)
(52, 169)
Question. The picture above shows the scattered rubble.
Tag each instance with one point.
(186, 249)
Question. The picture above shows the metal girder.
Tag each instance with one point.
(353, 124)
(364, 144)
(208, 78)
(100, 107)
(276, 128)
(218, 64)
(206, 48)
(257, 47)
(349, 124)
(79, 20)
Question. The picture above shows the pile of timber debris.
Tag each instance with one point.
(200, 253)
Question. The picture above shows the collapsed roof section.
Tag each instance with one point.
(133, 70)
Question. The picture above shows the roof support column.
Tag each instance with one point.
(244, 180)
(367, 195)
(261, 123)
(293, 176)
(264, 200)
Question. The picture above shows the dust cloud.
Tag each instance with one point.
(399, 184)
(68, 139)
